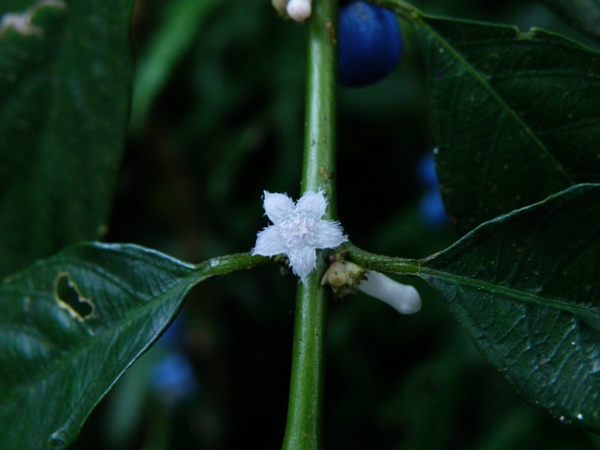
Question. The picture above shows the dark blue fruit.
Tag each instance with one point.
(370, 43)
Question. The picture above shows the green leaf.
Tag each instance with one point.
(515, 115)
(525, 288)
(583, 15)
(70, 326)
(64, 97)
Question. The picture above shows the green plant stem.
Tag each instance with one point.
(381, 263)
(305, 411)
(321, 82)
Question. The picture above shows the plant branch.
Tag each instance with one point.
(305, 411)
(381, 263)
(320, 131)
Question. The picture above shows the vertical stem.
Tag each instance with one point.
(305, 410)
(321, 82)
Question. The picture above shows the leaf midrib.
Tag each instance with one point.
(522, 296)
(420, 19)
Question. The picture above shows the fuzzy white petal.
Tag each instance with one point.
(313, 204)
(299, 10)
(277, 206)
(303, 261)
(269, 243)
(328, 234)
(403, 298)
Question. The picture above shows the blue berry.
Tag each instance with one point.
(370, 43)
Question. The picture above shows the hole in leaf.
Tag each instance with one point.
(69, 298)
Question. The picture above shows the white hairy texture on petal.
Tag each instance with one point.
(298, 230)
(313, 204)
(269, 243)
(299, 10)
(403, 298)
(330, 234)
(302, 261)
(277, 206)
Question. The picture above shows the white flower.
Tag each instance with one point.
(298, 230)
(403, 298)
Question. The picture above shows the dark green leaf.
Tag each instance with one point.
(525, 288)
(584, 15)
(64, 97)
(70, 326)
(515, 115)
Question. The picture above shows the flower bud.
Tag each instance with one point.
(403, 298)
(299, 10)
(337, 275)
(343, 277)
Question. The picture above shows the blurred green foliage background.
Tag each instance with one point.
(217, 118)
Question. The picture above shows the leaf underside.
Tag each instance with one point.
(525, 288)
(515, 115)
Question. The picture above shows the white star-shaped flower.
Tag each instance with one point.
(298, 230)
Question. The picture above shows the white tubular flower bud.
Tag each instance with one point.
(403, 298)
(299, 10)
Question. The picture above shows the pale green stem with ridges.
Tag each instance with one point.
(305, 411)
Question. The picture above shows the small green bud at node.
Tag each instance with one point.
(343, 277)
(337, 275)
